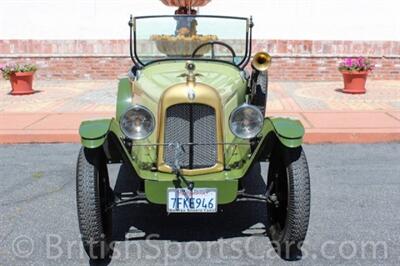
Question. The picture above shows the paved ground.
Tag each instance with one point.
(54, 113)
(100, 97)
(355, 212)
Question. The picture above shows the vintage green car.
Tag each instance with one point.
(191, 122)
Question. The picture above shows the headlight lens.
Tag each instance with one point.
(246, 121)
(137, 122)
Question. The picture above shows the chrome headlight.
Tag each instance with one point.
(137, 122)
(246, 121)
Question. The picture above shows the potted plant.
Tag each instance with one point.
(20, 76)
(355, 72)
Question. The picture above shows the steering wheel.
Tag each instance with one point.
(213, 43)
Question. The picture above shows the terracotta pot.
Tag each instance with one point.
(354, 82)
(21, 83)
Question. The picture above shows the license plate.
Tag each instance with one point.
(182, 200)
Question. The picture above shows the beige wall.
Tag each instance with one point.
(275, 19)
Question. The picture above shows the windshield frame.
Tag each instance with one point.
(140, 64)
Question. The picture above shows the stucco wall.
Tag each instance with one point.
(275, 19)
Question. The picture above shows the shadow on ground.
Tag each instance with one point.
(142, 221)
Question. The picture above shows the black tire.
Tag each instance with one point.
(289, 204)
(93, 195)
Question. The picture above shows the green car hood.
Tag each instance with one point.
(226, 79)
(156, 78)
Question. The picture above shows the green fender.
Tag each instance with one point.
(94, 133)
(124, 98)
(290, 132)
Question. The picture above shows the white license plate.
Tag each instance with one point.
(183, 200)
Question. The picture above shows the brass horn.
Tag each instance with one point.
(261, 61)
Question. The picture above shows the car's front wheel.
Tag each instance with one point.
(289, 202)
(93, 197)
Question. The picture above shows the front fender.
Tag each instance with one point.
(94, 133)
(290, 132)
(124, 98)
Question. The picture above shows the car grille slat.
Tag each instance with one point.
(191, 123)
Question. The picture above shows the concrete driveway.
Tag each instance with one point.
(355, 214)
